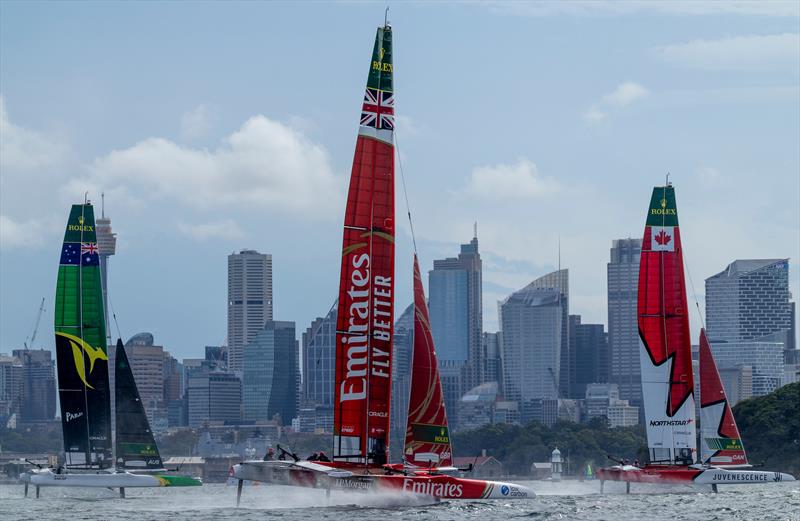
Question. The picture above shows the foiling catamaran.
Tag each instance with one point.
(83, 384)
(667, 379)
(365, 322)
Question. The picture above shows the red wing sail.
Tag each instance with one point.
(665, 344)
(426, 431)
(366, 289)
(720, 443)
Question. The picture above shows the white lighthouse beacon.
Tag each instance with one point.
(555, 465)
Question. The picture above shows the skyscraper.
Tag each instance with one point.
(270, 375)
(623, 329)
(403, 347)
(530, 322)
(589, 347)
(455, 289)
(559, 281)
(319, 360)
(213, 397)
(749, 319)
(147, 365)
(10, 384)
(38, 385)
(491, 350)
(249, 300)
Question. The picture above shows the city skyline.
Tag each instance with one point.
(575, 161)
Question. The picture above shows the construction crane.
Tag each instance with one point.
(32, 336)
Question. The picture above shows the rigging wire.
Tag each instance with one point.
(405, 192)
(694, 291)
(114, 316)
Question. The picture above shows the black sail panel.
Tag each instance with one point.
(136, 447)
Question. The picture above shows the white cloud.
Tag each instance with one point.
(624, 95)
(224, 229)
(31, 162)
(17, 233)
(594, 115)
(778, 8)
(709, 175)
(509, 181)
(196, 123)
(754, 52)
(22, 149)
(265, 165)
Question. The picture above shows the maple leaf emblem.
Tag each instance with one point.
(663, 238)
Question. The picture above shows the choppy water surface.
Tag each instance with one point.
(565, 500)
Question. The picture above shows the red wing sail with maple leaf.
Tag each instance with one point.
(426, 431)
(665, 344)
(720, 443)
(366, 291)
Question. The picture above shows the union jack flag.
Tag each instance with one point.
(89, 247)
(378, 109)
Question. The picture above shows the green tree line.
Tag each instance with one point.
(517, 447)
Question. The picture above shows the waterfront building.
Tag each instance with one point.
(213, 397)
(10, 385)
(623, 329)
(249, 300)
(589, 348)
(602, 401)
(147, 365)
(738, 383)
(270, 374)
(37, 400)
(749, 319)
(484, 405)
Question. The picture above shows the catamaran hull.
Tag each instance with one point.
(690, 475)
(48, 478)
(338, 478)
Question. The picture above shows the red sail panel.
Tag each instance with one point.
(665, 354)
(366, 289)
(426, 431)
(720, 443)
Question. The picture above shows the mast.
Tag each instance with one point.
(81, 353)
(426, 430)
(365, 317)
(136, 448)
(665, 345)
(720, 443)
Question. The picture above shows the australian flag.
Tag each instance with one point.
(85, 254)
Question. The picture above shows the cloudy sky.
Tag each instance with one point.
(213, 127)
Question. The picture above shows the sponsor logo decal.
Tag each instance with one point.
(724, 443)
(72, 416)
(364, 295)
(356, 484)
(79, 347)
(504, 490)
(670, 423)
(429, 488)
(516, 492)
(742, 476)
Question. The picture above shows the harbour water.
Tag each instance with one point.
(567, 500)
